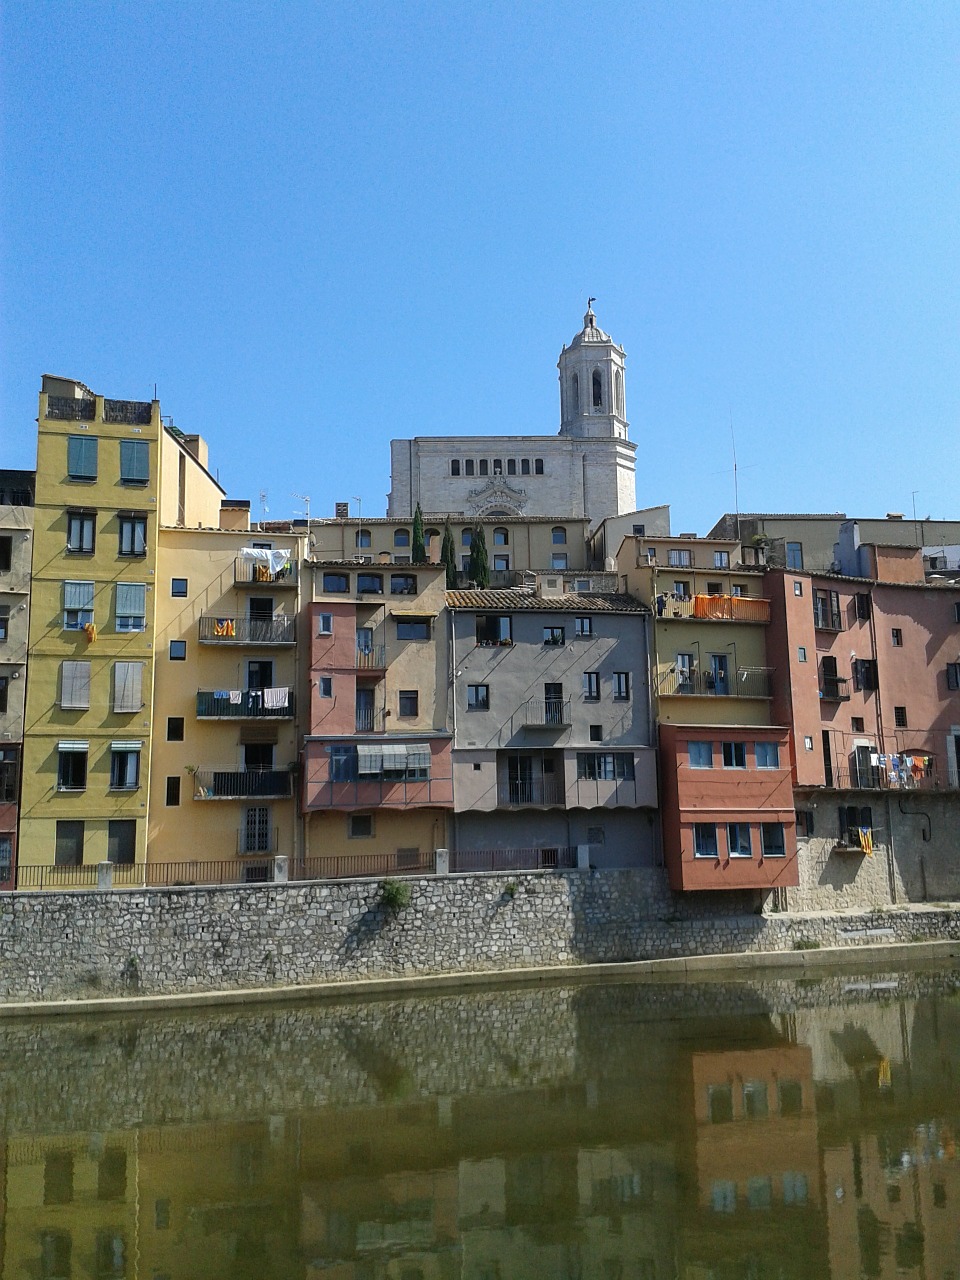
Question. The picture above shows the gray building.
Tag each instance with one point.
(553, 733)
(16, 550)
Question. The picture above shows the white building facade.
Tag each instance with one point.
(586, 471)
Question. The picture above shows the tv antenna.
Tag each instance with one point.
(306, 502)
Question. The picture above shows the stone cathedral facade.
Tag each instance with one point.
(588, 470)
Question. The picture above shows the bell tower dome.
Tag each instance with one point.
(593, 402)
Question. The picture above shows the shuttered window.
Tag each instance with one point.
(77, 605)
(131, 606)
(127, 687)
(75, 686)
(82, 457)
(134, 462)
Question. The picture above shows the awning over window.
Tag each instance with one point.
(394, 755)
(73, 746)
(126, 746)
(369, 758)
(418, 757)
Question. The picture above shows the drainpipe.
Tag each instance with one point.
(455, 833)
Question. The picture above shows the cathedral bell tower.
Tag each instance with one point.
(592, 394)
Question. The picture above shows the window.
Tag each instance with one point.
(403, 584)
(771, 840)
(862, 599)
(768, 755)
(738, 839)
(325, 686)
(466, 537)
(4, 688)
(174, 728)
(75, 686)
(801, 653)
(69, 844)
(790, 1097)
(605, 766)
(362, 539)
(178, 650)
(856, 724)
(125, 766)
(754, 1099)
(738, 589)
(900, 717)
(639, 530)
(408, 702)
(700, 755)
(82, 457)
(468, 467)
(133, 534)
(413, 628)
(401, 537)
(370, 583)
(558, 561)
(721, 559)
(359, 826)
(81, 532)
(621, 686)
(797, 588)
(178, 587)
(705, 840)
(794, 555)
(714, 588)
(484, 468)
(596, 733)
(6, 552)
(511, 466)
(591, 686)
(478, 697)
(583, 626)
(56, 1248)
(8, 773)
(558, 536)
(851, 819)
(58, 1177)
(554, 636)
(161, 1215)
(678, 559)
(865, 675)
(538, 466)
(805, 822)
(173, 792)
(896, 636)
(455, 467)
(501, 538)
(325, 624)
(681, 590)
(134, 462)
(807, 743)
(501, 563)
(72, 766)
(953, 676)
(131, 606)
(525, 471)
(335, 583)
(127, 687)
(723, 1196)
(494, 629)
(77, 605)
(734, 755)
(826, 611)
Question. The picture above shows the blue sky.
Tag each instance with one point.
(316, 227)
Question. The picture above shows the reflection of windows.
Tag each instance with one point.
(790, 1097)
(55, 1250)
(58, 1178)
(759, 1193)
(720, 1103)
(768, 755)
(795, 1188)
(723, 1196)
(111, 1256)
(754, 1098)
(701, 755)
(494, 629)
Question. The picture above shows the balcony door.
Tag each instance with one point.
(364, 639)
(364, 710)
(260, 613)
(685, 673)
(720, 673)
(520, 779)
(257, 756)
(553, 703)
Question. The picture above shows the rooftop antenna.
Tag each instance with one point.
(264, 509)
(736, 482)
(916, 530)
(306, 502)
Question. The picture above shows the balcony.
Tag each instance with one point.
(371, 658)
(243, 784)
(874, 778)
(546, 713)
(223, 629)
(527, 791)
(369, 720)
(744, 682)
(825, 618)
(246, 704)
(714, 608)
(834, 689)
(129, 412)
(70, 409)
(256, 573)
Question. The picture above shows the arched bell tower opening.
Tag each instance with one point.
(592, 381)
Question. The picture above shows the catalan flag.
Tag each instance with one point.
(224, 628)
(866, 841)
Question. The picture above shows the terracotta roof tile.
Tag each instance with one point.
(516, 601)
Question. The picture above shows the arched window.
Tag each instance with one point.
(575, 394)
(466, 537)
(619, 386)
(484, 466)
(597, 390)
(538, 466)
(363, 537)
(401, 537)
(455, 466)
(501, 538)
(558, 535)
(468, 466)
(429, 535)
(498, 466)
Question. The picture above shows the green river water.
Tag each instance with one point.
(623, 1131)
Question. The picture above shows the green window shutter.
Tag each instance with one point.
(82, 457)
(127, 686)
(131, 599)
(75, 686)
(78, 595)
(134, 461)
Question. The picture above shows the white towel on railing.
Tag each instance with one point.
(275, 699)
(236, 697)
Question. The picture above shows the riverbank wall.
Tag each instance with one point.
(88, 944)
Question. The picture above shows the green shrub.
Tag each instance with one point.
(395, 895)
(806, 944)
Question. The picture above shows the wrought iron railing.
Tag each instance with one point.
(518, 791)
(533, 859)
(246, 704)
(714, 608)
(546, 713)
(224, 629)
(835, 689)
(132, 412)
(886, 778)
(371, 658)
(69, 408)
(252, 573)
(369, 720)
(743, 682)
(242, 784)
(365, 865)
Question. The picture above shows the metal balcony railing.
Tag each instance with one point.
(523, 791)
(825, 618)
(875, 778)
(246, 704)
(248, 573)
(742, 682)
(546, 713)
(533, 859)
(242, 784)
(369, 720)
(714, 608)
(131, 412)
(835, 689)
(70, 409)
(223, 629)
(371, 658)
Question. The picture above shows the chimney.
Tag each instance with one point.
(234, 512)
(198, 447)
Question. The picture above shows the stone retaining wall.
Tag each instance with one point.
(85, 944)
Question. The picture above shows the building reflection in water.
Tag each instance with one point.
(623, 1133)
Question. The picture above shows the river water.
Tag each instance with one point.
(628, 1131)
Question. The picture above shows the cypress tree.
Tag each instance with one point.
(448, 556)
(479, 569)
(418, 550)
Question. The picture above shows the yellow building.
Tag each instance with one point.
(108, 473)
